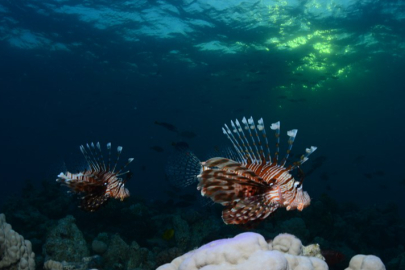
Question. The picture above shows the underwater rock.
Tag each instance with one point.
(53, 265)
(84, 264)
(397, 263)
(117, 253)
(168, 255)
(182, 232)
(140, 258)
(15, 252)
(295, 226)
(65, 242)
(203, 229)
(98, 247)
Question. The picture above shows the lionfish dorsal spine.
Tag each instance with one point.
(291, 137)
(243, 147)
(262, 129)
(97, 157)
(109, 156)
(303, 158)
(249, 127)
(100, 153)
(93, 159)
(119, 150)
(276, 128)
(119, 173)
(256, 140)
(249, 150)
(235, 143)
(89, 158)
(228, 134)
(86, 157)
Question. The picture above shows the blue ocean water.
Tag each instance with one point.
(73, 72)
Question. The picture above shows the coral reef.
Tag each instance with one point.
(139, 228)
(248, 251)
(15, 252)
(251, 251)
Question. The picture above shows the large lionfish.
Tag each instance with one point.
(99, 182)
(248, 181)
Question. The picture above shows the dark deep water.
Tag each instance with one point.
(74, 72)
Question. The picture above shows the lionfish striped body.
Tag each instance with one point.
(249, 183)
(100, 181)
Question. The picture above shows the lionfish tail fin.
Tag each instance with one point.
(291, 137)
(182, 169)
(303, 158)
(249, 209)
(249, 149)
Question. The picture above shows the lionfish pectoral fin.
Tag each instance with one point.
(92, 203)
(182, 169)
(248, 210)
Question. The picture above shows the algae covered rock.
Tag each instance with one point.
(65, 242)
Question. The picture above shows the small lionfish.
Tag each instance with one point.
(248, 181)
(100, 181)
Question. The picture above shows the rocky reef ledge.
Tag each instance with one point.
(251, 251)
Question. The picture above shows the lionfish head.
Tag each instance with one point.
(122, 193)
(301, 200)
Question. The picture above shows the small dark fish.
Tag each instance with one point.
(143, 168)
(180, 146)
(328, 187)
(188, 134)
(167, 126)
(238, 110)
(282, 97)
(382, 186)
(368, 175)
(157, 148)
